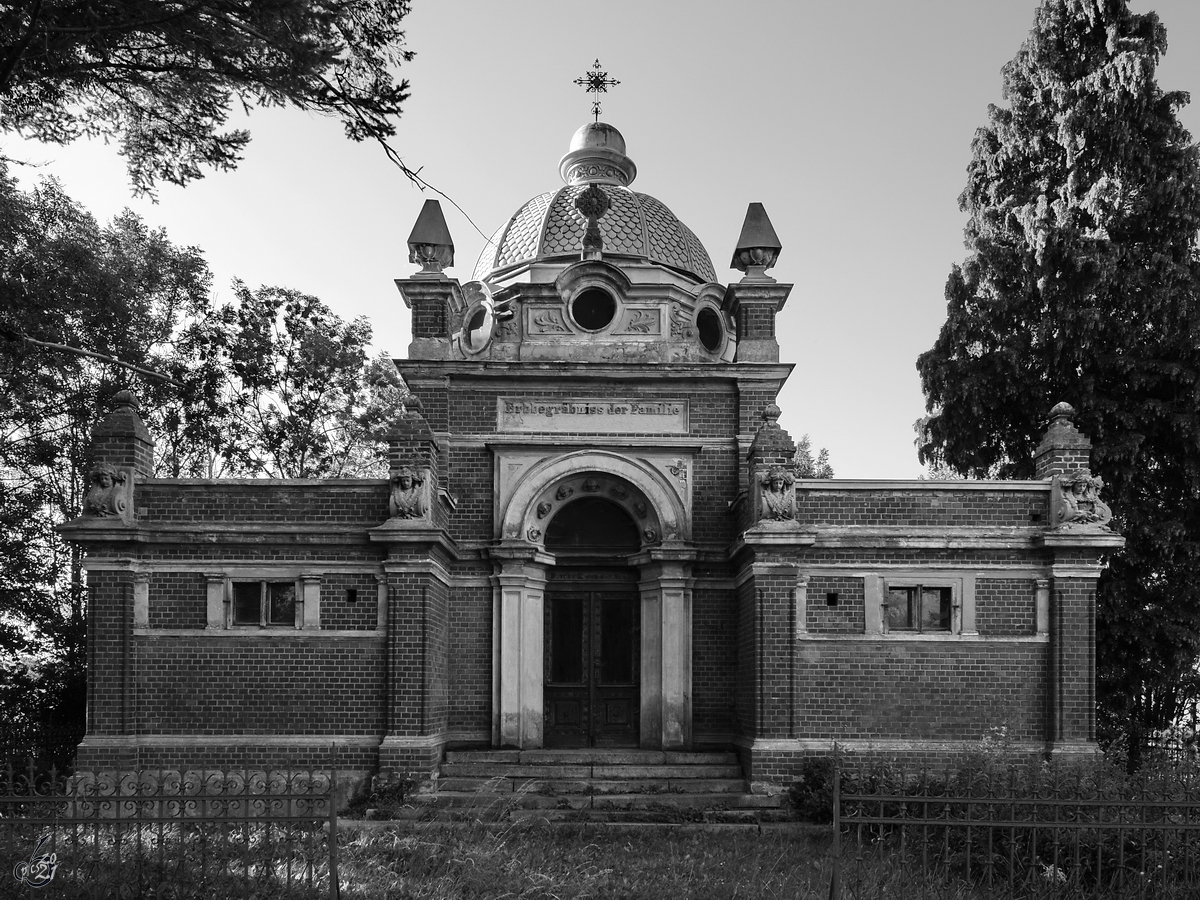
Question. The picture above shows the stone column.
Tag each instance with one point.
(666, 648)
(518, 614)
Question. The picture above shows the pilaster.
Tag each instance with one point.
(666, 674)
(519, 591)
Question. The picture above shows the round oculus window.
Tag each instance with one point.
(477, 330)
(709, 329)
(593, 308)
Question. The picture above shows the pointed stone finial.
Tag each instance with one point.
(758, 246)
(429, 244)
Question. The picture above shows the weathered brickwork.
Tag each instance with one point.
(177, 600)
(225, 502)
(109, 649)
(713, 660)
(1073, 659)
(1005, 606)
(470, 635)
(259, 685)
(841, 613)
(942, 690)
(828, 505)
(342, 610)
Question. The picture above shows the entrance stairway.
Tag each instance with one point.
(597, 785)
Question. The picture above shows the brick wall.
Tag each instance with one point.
(847, 616)
(360, 501)
(338, 612)
(1006, 606)
(269, 685)
(470, 634)
(1073, 658)
(912, 690)
(714, 658)
(178, 600)
(831, 505)
(109, 638)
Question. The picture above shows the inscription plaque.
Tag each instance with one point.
(592, 414)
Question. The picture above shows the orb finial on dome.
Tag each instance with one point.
(597, 156)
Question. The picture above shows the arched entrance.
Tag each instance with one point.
(538, 557)
(593, 628)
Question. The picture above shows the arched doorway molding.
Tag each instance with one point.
(521, 564)
(664, 510)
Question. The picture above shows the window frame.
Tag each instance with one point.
(264, 603)
(922, 582)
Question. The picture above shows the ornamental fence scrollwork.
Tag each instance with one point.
(169, 833)
(1021, 830)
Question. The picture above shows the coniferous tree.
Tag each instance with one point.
(1080, 284)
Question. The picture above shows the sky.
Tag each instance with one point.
(850, 121)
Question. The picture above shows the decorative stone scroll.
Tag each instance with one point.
(109, 493)
(1075, 503)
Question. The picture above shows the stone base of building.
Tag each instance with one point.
(779, 762)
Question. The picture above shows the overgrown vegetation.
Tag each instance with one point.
(271, 384)
(1082, 284)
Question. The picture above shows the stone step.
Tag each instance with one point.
(629, 802)
(590, 757)
(626, 773)
(746, 817)
(593, 786)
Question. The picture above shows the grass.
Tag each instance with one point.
(532, 860)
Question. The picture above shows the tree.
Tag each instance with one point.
(1080, 284)
(297, 389)
(121, 290)
(806, 466)
(160, 76)
(274, 383)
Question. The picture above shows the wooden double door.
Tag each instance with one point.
(592, 641)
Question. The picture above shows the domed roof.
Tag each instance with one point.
(636, 225)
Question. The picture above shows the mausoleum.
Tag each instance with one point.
(593, 537)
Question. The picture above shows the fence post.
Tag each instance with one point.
(835, 879)
(334, 886)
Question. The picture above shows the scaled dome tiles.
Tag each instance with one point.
(636, 225)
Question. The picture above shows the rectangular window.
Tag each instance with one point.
(264, 603)
(919, 608)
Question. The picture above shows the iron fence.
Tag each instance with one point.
(1023, 831)
(168, 834)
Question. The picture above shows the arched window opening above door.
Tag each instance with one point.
(592, 524)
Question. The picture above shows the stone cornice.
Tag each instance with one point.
(86, 532)
(930, 537)
(661, 374)
(1080, 539)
